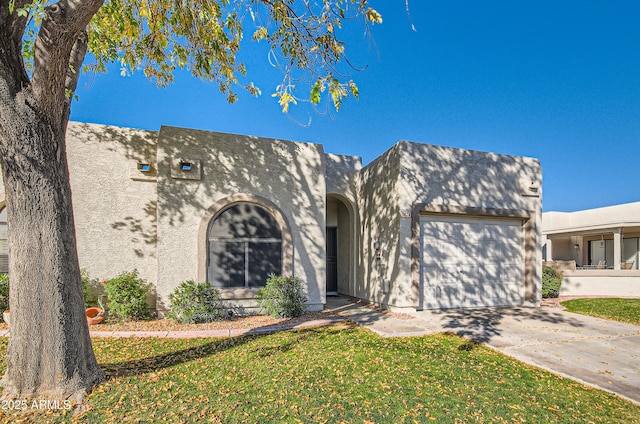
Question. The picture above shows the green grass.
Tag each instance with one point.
(334, 374)
(624, 310)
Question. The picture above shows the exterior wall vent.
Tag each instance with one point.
(144, 167)
(142, 170)
(186, 169)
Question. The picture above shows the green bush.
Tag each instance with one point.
(282, 297)
(551, 281)
(196, 303)
(4, 292)
(127, 295)
(92, 288)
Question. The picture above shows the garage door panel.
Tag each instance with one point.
(512, 256)
(491, 249)
(467, 274)
(467, 232)
(511, 272)
(446, 276)
(471, 262)
(432, 246)
(489, 272)
(431, 274)
(471, 249)
(446, 296)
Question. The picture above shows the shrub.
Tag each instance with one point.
(4, 292)
(127, 294)
(196, 303)
(91, 288)
(551, 281)
(282, 297)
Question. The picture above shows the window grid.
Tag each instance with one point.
(244, 247)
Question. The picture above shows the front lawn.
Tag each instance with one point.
(624, 310)
(334, 374)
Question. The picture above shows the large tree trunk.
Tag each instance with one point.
(49, 354)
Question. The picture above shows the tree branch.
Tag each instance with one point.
(11, 20)
(13, 76)
(12, 29)
(76, 58)
(59, 33)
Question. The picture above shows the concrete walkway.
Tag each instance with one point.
(597, 352)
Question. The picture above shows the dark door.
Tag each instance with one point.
(332, 259)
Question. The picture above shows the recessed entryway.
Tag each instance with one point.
(340, 246)
(332, 260)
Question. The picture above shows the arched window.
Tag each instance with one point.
(244, 247)
(4, 245)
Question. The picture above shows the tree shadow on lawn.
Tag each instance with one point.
(483, 325)
(151, 364)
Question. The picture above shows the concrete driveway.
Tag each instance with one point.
(598, 352)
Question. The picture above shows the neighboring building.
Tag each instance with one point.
(422, 226)
(598, 249)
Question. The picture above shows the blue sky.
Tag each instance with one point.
(555, 80)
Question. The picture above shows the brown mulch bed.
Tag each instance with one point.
(237, 322)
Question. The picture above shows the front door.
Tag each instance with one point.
(332, 260)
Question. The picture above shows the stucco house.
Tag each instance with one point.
(598, 249)
(420, 227)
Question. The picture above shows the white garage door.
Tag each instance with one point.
(471, 262)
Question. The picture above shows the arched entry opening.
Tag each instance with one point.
(340, 246)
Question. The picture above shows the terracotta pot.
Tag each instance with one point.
(94, 315)
(6, 315)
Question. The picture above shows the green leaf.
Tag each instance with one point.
(315, 92)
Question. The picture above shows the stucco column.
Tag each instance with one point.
(581, 252)
(617, 248)
(549, 247)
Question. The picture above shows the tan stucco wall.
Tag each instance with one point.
(623, 283)
(379, 222)
(341, 173)
(614, 225)
(450, 176)
(625, 215)
(156, 222)
(341, 184)
(563, 249)
(445, 176)
(415, 173)
(114, 205)
(289, 174)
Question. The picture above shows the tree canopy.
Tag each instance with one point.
(42, 50)
(158, 37)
